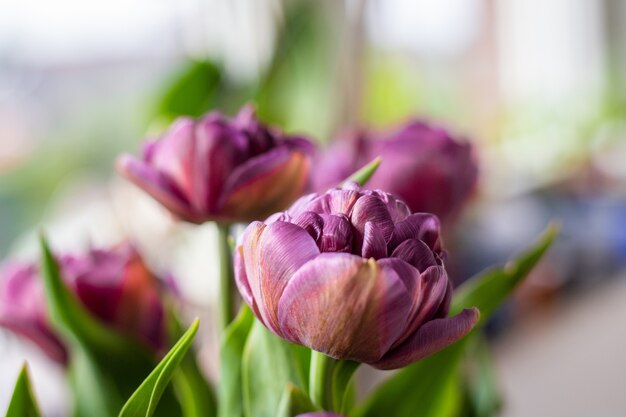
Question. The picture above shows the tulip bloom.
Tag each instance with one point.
(353, 274)
(220, 169)
(421, 163)
(114, 285)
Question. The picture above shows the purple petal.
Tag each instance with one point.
(265, 184)
(337, 201)
(279, 251)
(311, 222)
(158, 186)
(370, 208)
(336, 234)
(422, 226)
(345, 307)
(430, 338)
(374, 245)
(415, 252)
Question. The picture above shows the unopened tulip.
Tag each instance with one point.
(353, 274)
(421, 163)
(220, 169)
(114, 285)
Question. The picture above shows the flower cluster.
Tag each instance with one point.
(353, 274)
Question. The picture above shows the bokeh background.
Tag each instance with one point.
(539, 87)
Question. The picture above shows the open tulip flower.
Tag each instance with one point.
(220, 169)
(114, 285)
(422, 164)
(353, 274)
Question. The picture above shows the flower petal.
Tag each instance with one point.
(417, 253)
(336, 234)
(374, 245)
(280, 250)
(265, 184)
(430, 338)
(345, 307)
(370, 208)
(247, 269)
(422, 226)
(158, 186)
(311, 222)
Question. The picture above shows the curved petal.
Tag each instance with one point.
(312, 223)
(430, 338)
(374, 245)
(422, 226)
(370, 208)
(345, 307)
(158, 186)
(265, 184)
(247, 268)
(272, 255)
(417, 253)
(336, 234)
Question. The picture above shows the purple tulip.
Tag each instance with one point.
(220, 169)
(353, 274)
(114, 285)
(421, 163)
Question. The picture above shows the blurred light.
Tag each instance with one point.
(440, 29)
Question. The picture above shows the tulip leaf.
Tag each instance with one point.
(488, 290)
(233, 342)
(145, 399)
(431, 387)
(482, 396)
(294, 402)
(70, 317)
(23, 403)
(363, 175)
(269, 364)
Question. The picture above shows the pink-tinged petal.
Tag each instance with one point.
(336, 234)
(301, 205)
(265, 184)
(173, 155)
(337, 201)
(417, 253)
(397, 208)
(374, 245)
(248, 278)
(157, 186)
(282, 249)
(312, 223)
(421, 226)
(370, 208)
(429, 339)
(345, 307)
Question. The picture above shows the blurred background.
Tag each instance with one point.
(539, 87)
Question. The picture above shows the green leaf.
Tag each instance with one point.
(23, 403)
(230, 393)
(145, 399)
(343, 390)
(431, 387)
(363, 175)
(294, 402)
(192, 91)
(489, 289)
(70, 317)
(268, 365)
(482, 396)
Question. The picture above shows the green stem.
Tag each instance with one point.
(226, 275)
(320, 380)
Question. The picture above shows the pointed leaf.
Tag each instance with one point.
(431, 387)
(269, 363)
(144, 401)
(23, 403)
(363, 175)
(234, 340)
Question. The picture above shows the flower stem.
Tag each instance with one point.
(320, 380)
(226, 275)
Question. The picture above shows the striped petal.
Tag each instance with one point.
(430, 338)
(422, 226)
(417, 253)
(345, 307)
(374, 245)
(265, 184)
(273, 254)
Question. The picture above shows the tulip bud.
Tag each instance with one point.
(114, 285)
(220, 169)
(353, 274)
(421, 163)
